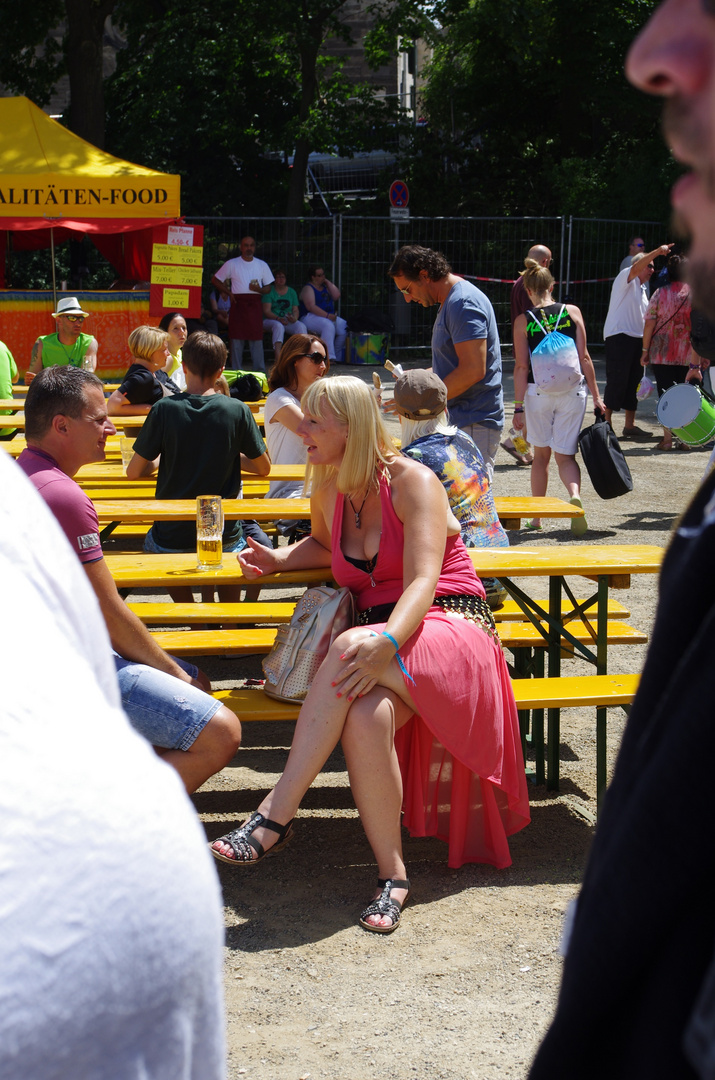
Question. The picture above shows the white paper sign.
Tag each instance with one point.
(180, 235)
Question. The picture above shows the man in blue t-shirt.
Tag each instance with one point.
(465, 343)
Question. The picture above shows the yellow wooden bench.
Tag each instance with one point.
(170, 614)
(599, 691)
(244, 641)
(523, 639)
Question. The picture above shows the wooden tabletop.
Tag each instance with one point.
(137, 505)
(112, 472)
(122, 423)
(140, 569)
(130, 511)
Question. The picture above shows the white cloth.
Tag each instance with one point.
(284, 446)
(334, 334)
(555, 419)
(110, 919)
(629, 303)
(240, 273)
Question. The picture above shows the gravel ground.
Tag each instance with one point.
(467, 985)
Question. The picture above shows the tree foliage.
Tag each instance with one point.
(226, 95)
(52, 38)
(530, 112)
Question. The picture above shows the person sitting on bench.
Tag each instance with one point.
(167, 700)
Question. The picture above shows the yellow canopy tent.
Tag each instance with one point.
(54, 185)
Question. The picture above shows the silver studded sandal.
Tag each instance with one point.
(384, 905)
(243, 845)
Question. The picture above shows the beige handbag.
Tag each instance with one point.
(302, 645)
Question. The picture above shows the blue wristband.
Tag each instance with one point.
(403, 669)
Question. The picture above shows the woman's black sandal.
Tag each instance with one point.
(243, 845)
(385, 906)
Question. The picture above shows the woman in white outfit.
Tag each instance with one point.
(303, 359)
(553, 418)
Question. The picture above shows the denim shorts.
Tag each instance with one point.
(150, 544)
(167, 712)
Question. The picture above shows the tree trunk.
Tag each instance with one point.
(85, 65)
(309, 48)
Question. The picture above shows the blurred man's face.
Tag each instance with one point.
(674, 56)
(248, 248)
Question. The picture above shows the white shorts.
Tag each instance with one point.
(555, 420)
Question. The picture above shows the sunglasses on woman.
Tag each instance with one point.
(316, 357)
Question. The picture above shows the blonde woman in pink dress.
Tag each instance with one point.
(418, 693)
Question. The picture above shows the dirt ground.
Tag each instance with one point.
(466, 986)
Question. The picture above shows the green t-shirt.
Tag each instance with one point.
(55, 354)
(200, 440)
(8, 373)
(282, 306)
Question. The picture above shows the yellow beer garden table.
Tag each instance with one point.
(106, 480)
(609, 565)
(128, 424)
(134, 503)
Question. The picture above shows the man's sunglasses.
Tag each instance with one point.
(316, 357)
(74, 318)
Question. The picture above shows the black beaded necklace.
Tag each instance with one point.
(357, 513)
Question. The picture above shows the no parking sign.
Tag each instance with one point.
(399, 193)
(399, 198)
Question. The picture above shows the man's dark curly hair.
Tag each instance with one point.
(411, 259)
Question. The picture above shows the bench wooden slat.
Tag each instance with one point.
(599, 691)
(185, 614)
(511, 612)
(245, 641)
(574, 690)
(169, 614)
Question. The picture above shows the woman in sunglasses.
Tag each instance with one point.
(303, 359)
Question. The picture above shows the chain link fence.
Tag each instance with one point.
(356, 253)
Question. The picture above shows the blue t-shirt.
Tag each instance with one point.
(466, 315)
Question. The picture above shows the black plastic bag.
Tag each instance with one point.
(247, 388)
(604, 460)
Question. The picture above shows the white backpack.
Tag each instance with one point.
(554, 361)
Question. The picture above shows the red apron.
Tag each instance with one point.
(245, 319)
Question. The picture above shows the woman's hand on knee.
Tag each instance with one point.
(362, 662)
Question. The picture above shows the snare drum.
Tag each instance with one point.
(688, 414)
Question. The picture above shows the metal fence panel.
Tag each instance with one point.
(596, 248)
(357, 251)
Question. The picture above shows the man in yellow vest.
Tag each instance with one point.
(68, 345)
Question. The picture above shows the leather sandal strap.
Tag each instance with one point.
(391, 908)
(395, 883)
(241, 840)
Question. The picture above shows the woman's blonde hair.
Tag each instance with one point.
(412, 430)
(145, 340)
(368, 443)
(537, 279)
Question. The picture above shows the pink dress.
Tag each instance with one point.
(460, 758)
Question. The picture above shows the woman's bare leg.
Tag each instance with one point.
(318, 729)
(569, 472)
(540, 474)
(368, 743)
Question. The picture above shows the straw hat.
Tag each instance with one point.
(69, 306)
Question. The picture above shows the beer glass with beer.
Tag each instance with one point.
(209, 530)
